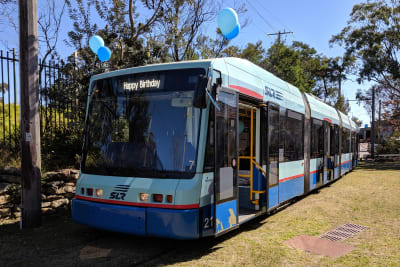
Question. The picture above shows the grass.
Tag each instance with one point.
(370, 196)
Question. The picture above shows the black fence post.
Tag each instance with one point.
(15, 102)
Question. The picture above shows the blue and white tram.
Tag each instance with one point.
(194, 149)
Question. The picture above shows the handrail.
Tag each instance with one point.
(259, 167)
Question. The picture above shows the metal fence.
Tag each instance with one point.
(59, 107)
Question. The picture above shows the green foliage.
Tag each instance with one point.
(372, 36)
(391, 145)
(357, 121)
(61, 149)
(8, 127)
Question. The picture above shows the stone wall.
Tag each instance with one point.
(58, 188)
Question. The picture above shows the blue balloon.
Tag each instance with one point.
(227, 20)
(233, 33)
(104, 53)
(95, 42)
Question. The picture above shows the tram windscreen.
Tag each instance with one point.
(143, 125)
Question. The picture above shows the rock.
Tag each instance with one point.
(67, 175)
(70, 184)
(46, 204)
(52, 188)
(16, 214)
(47, 210)
(4, 199)
(7, 205)
(4, 212)
(13, 179)
(4, 187)
(53, 197)
(11, 171)
(69, 189)
(60, 202)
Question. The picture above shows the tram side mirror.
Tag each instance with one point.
(200, 98)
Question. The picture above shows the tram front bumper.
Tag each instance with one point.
(144, 221)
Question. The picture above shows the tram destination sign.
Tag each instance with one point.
(141, 84)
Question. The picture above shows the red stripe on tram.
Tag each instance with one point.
(291, 177)
(296, 176)
(126, 203)
(246, 91)
(346, 161)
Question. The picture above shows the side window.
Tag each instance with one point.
(273, 143)
(317, 139)
(294, 144)
(282, 134)
(210, 151)
(345, 140)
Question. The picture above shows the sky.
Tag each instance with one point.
(312, 22)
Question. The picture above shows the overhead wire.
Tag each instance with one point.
(258, 13)
(275, 17)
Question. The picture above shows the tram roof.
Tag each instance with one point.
(205, 63)
(256, 82)
(321, 110)
(345, 120)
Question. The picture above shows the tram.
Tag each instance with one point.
(194, 149)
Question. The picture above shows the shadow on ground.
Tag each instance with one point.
(60, 241)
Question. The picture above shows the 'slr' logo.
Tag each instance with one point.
(119, 192)
(273, 93)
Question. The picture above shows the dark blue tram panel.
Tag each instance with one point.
(144, 221)
(170, 184)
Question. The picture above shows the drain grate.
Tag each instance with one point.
(343, 232)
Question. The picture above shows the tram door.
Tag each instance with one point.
(272, 146)
(327, 139)
(226, 151)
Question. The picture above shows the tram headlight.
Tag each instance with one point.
(99, 192)
(144, 197)
(157, 197)
(169, 198)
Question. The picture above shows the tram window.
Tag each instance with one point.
(226, 146)
(334, 140)
(345, 140)
(317, 139)
(294, 143)
(273, 143)
(210, 151)
(282, 134)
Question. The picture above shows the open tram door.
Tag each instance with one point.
(226, 155)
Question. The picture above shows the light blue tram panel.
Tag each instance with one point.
(346, 157)
(291, 158)
(269, 88)
(324, 142)
(142, 163)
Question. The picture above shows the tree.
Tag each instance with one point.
(357, 121)
(181, 24)
(7, 10)
(4, 86)
(296, 64)
(372, 36)
(49, 26)
(253, 52)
